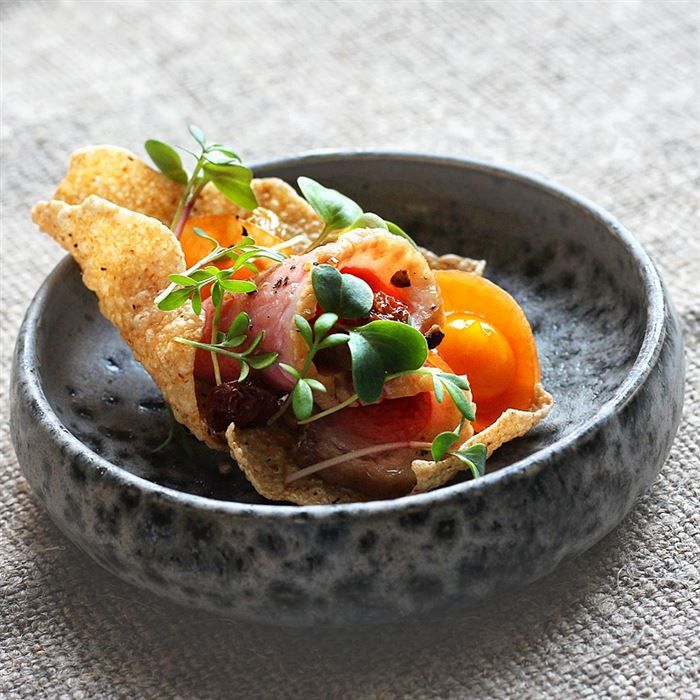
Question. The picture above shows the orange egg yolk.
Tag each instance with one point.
(488, 338)
(474, 347)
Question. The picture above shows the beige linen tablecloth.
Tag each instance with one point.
(601, 97)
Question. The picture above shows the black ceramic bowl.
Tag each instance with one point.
(86, 418)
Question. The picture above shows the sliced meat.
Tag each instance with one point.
(384, 474)
(286, 290)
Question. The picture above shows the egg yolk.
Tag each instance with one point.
(488, 338)
(474, 347)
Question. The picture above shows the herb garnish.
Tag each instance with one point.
(189, 286)
(473, 456)
(234, 337)
(340, 213)
(215, 163)
(379, 350)
(342, 294)
(316, 338)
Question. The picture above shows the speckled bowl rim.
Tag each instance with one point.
(523, 468)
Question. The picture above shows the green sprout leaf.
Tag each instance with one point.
(167, 160)
(237, 190)
(215, 163)
(183, 280)
(438, 389)
(239, 326)
(368, 371)
(232, 170)
(197, 134)
(443, 442)
(218, 154)
(238, 286)
(460, 400)
(175, 299)
(196, 300)
(316, 385)
(217, 295)
(339, 212)
(292, 371)
(474, 457)
(336, 210)
(345, 295)
(380, 348)
(232, 341)
(323, 325)
(302, 400)
(398, 231)
(333, 340)
(305, 329)
(369, 220)
(262, 360)
(455, 386)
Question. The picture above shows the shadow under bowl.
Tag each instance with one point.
(86, 418)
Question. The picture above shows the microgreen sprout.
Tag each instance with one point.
(345, 295)
(177, 435)
(379, 350)
(473, 456)
(316, 338)
(234, 337)
(455, 385)
(444, 441)
(190, 285)
(339, 213)
(215, 163)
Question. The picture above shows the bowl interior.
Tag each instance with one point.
(578, 283)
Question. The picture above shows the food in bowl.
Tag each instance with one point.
(335, 359)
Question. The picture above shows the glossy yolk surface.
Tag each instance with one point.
(228, 230)
(488, 338)
(489, 363)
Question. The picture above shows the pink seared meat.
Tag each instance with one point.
(386, 474)
(286, 290)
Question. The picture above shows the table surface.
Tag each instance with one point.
(601, 97)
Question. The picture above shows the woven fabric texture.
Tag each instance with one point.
(599, 96)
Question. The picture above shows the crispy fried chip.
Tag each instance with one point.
(126, 254)
(126, 258)
(510, 425)
(453, 262)
(264, 456)
(119, 176)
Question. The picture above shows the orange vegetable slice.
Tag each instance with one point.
(488, 338)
